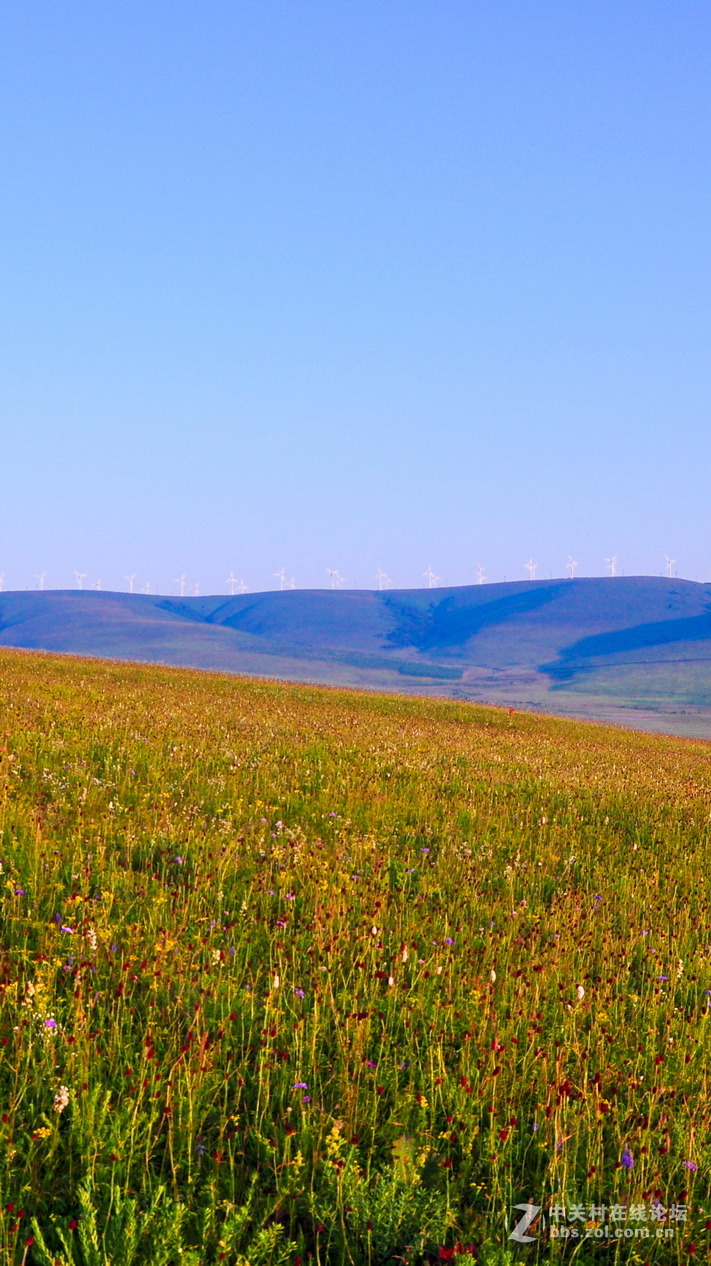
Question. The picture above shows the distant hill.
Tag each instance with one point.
(632, 649)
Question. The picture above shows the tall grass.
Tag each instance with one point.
(298, 974)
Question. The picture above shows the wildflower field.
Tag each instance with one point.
(291, 974)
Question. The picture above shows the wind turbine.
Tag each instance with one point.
(292, 583)
(241, 588)
(196, 589)
(96, 584)
(571, 565)
(480, 575)
(670, 563)
(180, 580)
(611, 563)
(81, 577)
(41, 579)
(281, 577)
(130, 580)
(232, 581)
(431, 578)
(332, 573)
(531, 569)
(146, 587)
(339, 580)
(383, 579)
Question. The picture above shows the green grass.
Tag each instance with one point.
(309, 965)
(677, 683)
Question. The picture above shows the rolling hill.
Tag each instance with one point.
(636, 650)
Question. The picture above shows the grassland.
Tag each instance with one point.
(291, 974)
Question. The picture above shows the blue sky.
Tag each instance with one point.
(333, 284)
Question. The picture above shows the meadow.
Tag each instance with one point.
(291, 974)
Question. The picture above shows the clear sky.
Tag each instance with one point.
(353, 283)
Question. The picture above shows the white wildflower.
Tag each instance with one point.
(61, 1099)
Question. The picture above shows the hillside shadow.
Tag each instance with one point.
(447, 624)
(637, 638)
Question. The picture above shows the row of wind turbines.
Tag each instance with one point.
(610, 563)
(336, 580)
(81, 576)
(531, 567)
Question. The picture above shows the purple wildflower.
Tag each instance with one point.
(690, 1165)
(20, 892)
(627, 1159)
(300, 1085)
(50, 1024)
(299, 993)
(448, 940)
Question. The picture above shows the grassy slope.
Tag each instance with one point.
(219, 889)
